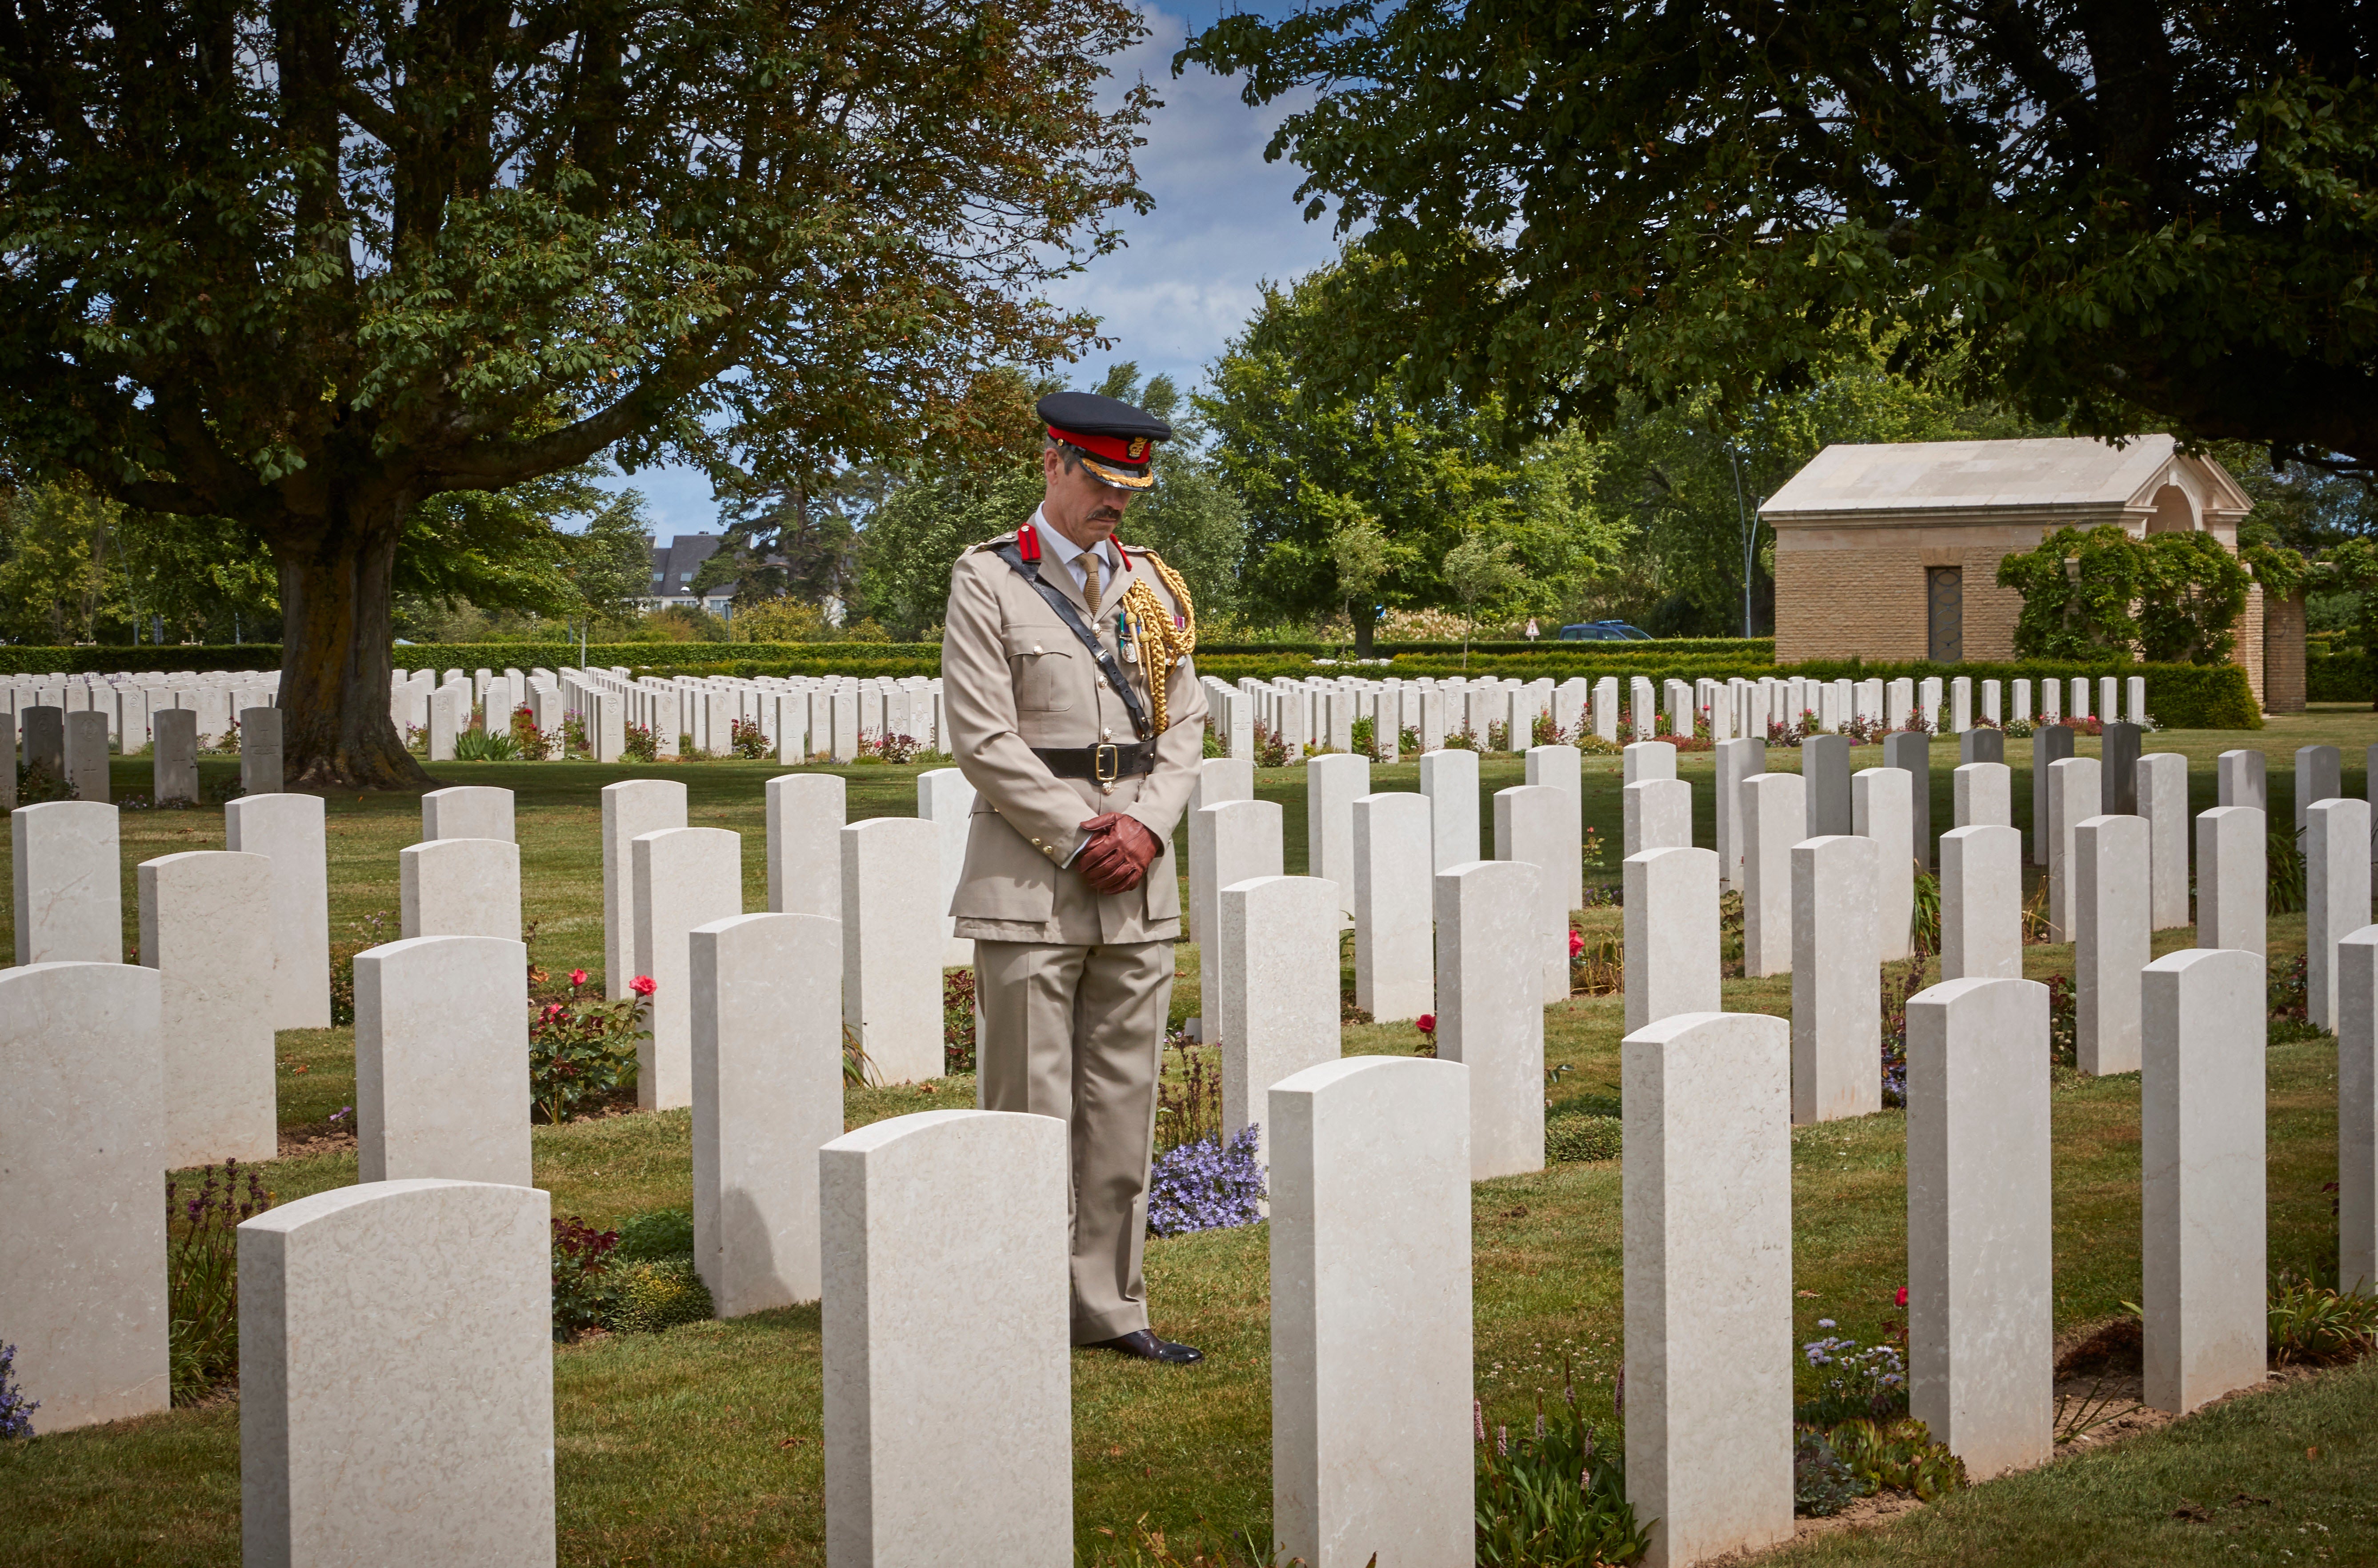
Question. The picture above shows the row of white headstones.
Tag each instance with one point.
(73, 744)
(1320, 712)
(798, 717)
(440, 1044)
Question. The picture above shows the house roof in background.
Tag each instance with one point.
(2049, 474)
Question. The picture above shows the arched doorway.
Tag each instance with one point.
(2173, 513)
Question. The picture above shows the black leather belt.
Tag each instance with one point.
(1099, 764)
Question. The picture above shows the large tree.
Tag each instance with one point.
(2112, 213)
(306, 265)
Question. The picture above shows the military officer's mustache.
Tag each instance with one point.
(1107, 514)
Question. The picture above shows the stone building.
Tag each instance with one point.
(1890, 553)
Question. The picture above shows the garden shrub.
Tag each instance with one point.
(582, 1049)
(202, 1274)
(1821, 1485)
(584, 1294)
(1552, 1498)
(2315, 1326)
(1900, 1454)
(659, 1295)
(957, 1021)
(15, 1410)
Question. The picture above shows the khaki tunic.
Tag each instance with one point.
(1015, 676)
(1074, 986)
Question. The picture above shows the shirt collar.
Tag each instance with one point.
(1064, 549)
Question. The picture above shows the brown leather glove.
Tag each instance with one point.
(1119, 853)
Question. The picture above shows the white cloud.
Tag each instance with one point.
(1224, 222)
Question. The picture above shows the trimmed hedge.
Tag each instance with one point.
(2336, 678)
(1755, 650)
(107, 658)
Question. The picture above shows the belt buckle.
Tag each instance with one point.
(1106, 763)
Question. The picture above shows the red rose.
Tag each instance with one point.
(1575, 944)
(1903, 1296)
(577, 978)
(1425, 1023)
(643, 985)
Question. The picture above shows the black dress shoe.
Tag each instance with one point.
(1147, 1348)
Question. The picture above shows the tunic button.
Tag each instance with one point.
(1035, 648)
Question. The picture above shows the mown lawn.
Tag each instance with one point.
(701, 1445)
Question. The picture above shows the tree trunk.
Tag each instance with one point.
(335, 585)
(1364, 623)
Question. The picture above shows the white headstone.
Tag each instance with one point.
(2241, 780)
(1736, 760)
(206, 927)
(86, 755)
(2163, 801)
(2232, 892)
(1836, 980)
(2318, 777)
(1559, 767)
(288, 830)
(630, 810)
(938, 1218)
(946, 800)
(396, 1376)
(1371, 1313)
(2204, 1254)
(442, 1059)
(460, 887)
(1449, 779)
(1647, 760)
(1331, 784)
(82, 1120)
(805, 816)
(1395, 974)
(767, 1095)
(1488, 1018)
(1655, 814)
(1669, 920)
(1535, 823)
(1275, 973)
(1980, 1230)
(679, 879)
(1708, 1282)
(1882, 808)
(2336, 894)
(1774, 817)
(260, 751)
(1983, 794)
(467, 812)
(1981, 904)
(2356, 1111)
(173, 757)
(68, 867)
(2111, 940)
(892, 905)
(2074, 793)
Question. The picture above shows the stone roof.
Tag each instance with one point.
(1979, 480)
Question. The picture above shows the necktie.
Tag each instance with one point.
(1091, 580)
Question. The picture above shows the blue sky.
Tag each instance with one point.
(1224, 221)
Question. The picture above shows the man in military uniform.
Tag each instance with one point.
(1075, 713)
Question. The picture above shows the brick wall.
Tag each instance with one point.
(2283, 655)
(1858, 592)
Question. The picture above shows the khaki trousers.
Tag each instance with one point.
(1078, 1033)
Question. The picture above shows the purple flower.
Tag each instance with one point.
(1204, 1186)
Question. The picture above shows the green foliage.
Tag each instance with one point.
(581, 1052)
(202, 1273)
(1900, 1454)
(1553, 1501)
(2285, 873)
(2314, 1325)
(659, 1295)
(1821, 1485)
(1566, 212)
(487, 746)
(585, 1294)
(1410, 479)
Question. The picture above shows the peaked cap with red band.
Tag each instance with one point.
(1115, 440)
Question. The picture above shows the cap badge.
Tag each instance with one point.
(1138, 447)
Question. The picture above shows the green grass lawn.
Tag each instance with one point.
(703, 1445)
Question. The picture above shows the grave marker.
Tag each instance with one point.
(1371, 1313)
(441, 1061)
(932, 1219)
